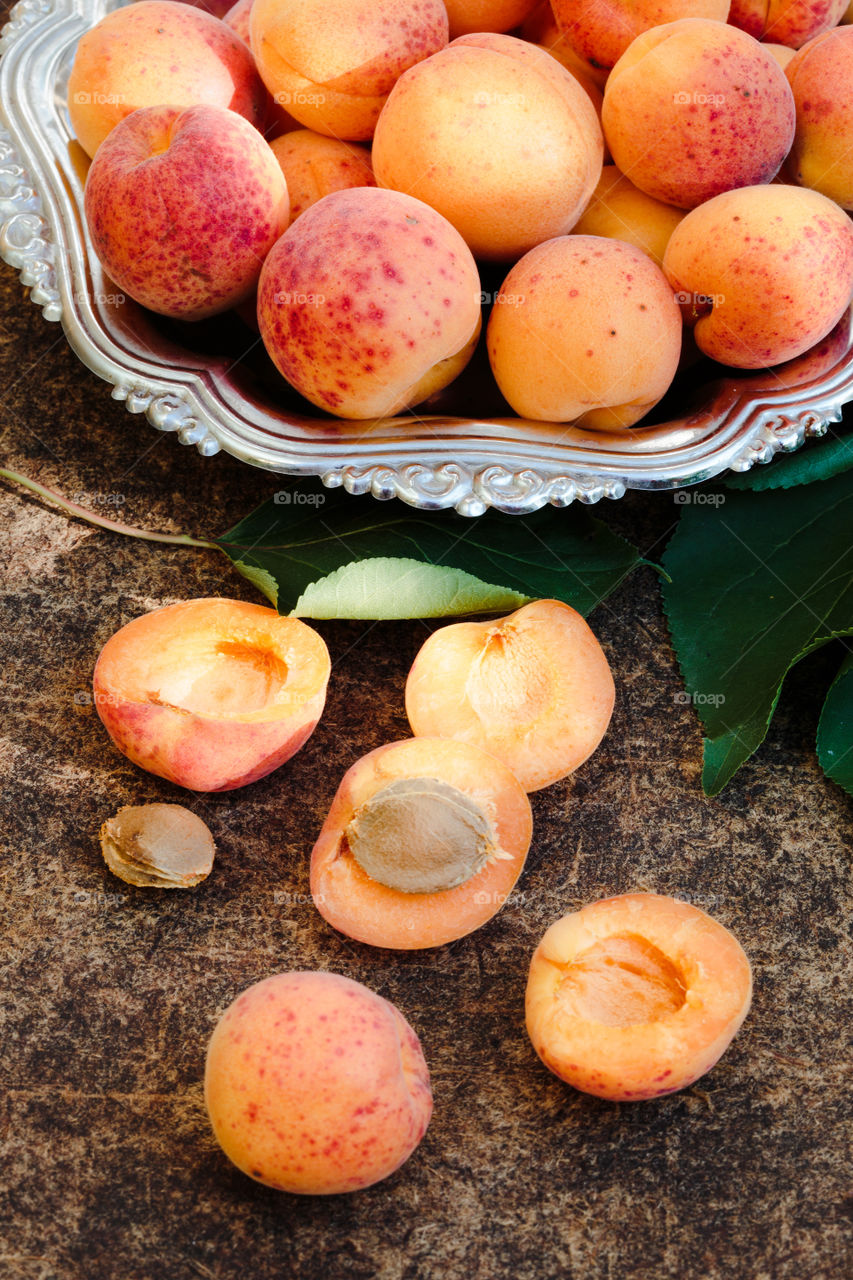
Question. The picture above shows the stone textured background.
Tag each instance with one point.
(107, 1164)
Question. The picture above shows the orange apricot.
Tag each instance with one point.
(621, 211)
(534, 689)
(314, 166)
(636, 996)
(423, 843)
(211, 694)
(466, 16)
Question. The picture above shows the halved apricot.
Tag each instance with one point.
(211, 694)
(636, 996)
(423, 843)
(535, 689)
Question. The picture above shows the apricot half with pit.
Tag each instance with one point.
(211, 694)
(636, 996)
(534, 689)
(423, 843)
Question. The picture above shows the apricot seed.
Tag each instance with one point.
(420, 835)
(162, 846)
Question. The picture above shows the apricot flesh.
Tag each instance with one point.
(534, 689)
(375, 910)
(315, 1084)
(211, 694)
(636, 996)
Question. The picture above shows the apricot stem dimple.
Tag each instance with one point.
(420, 835)
(621, 981)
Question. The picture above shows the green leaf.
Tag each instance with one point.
(816, 460)
(399, 588)
(757, 582)
(295, 546)
(835, 730)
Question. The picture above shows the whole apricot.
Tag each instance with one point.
(599, 31)
(486, 15)
(314, 166)
(156, 52)
(789, 22)
(821, 76)
(768, 269)
(621, 211)
(534, 689)
(634, 997)
(315, 1084)
(585, 330)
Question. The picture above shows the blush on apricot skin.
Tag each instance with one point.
(211, 694)
(316, 1085)
(370, 911)
(636, 996)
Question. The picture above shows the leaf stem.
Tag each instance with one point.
(115, 526)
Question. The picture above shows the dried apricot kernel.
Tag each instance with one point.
(420, 835)
(162, 846)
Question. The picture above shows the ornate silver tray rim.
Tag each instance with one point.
(432, 462)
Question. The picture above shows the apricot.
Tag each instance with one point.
(155, 52)
(620, 211)
(534, 689)
(466, 16)
(781, 52)
(423, 843)
(771, 268)
(369, 303)
(695, 107)
(569, 61)
(495, 135)
(314, 166)
(821, 76)
(332, 63)
(541, 28)
(599, 31)
(790, 22)
(237, 18)
(182, 206)
(635, 997)
(585, 330)
(314, 1084)
(211, 694)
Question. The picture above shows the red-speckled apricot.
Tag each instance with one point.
(155, 52)
(790, 22)
(634, 997)
(183, 206)
(332, 63)
(599, 31)
(369, 303)
(315, 1084)
(771, 268)
(821, 77)
(695, 107)
(534, 689)
(409, 819)
(497, 136)
(585, 330)
(314, 166)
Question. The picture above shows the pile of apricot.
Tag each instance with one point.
(412, 145)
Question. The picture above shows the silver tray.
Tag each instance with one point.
(445, 456)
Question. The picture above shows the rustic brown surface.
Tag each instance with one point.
(109, 1168)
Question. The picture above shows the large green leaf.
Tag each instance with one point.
(816, 460)
(299, 549)
(756, 582)
(835, 730)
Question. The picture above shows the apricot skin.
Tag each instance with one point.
(777, 262)
(372, 912)
(534, 689)
(695, 107)
(586, 330)
(146, 691)
(315, 1084)
(156, 52)
(635, 997)
(369, 303)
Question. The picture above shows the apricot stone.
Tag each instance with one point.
(211, 694)
(332, 63)
(315, 1084)
(423, 843)
(314, 166)
(369, 303)
(821, 77)
(637, 996)
(695, 107)
(156, 52)
(772, 269)
(534, 689)
(495, 135)
(585, 330)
